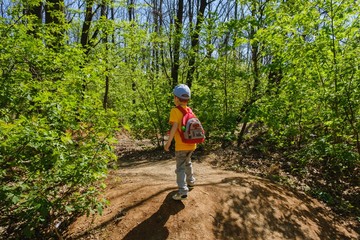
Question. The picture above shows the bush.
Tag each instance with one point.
(55, 140)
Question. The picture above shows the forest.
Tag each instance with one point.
(280, 74)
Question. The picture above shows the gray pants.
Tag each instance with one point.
(184, 171)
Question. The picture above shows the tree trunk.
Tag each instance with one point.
(177, 40)
(86, 26)
(103, 13)
(255, 56)
(55, 19)
(35, 10)
(131, 10)
(195, 42)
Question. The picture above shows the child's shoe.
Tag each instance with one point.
(178, 196)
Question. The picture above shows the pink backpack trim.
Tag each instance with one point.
(197, 128)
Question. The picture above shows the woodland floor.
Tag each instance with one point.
(223, 205)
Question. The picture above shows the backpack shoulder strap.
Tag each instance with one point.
(182, 110)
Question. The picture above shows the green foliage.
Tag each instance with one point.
(217, 96)
(292, 67)
(141, 97)
(312, 97)
(55, 140)
(312, 110)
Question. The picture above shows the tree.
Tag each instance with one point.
(55, 21)
(175, 64)
(256, 9)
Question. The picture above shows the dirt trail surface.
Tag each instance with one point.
(223, 205)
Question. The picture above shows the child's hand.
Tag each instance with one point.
(171, 136)
(167, 146)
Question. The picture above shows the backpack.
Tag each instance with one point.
(191, 129)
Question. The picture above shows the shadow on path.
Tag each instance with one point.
(119, 216)
(268, 211)
(138, 158)
(253, 208)
(154, 226)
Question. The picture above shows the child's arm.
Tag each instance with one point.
(171, 136)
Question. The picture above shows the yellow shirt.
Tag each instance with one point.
(176, 116)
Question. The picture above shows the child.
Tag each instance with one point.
(183, 151)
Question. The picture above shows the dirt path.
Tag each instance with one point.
(223, 205)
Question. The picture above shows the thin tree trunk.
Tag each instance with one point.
(85, 33)
(55, 19)
(255, 55)
(195, 42)
(131, 10)
(103, 13)
(35, 10)
(177, 40)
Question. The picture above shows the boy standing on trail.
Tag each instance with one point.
(183, 151)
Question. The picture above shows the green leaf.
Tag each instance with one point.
(15, 199)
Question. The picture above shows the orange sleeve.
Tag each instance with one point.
(174, 116)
